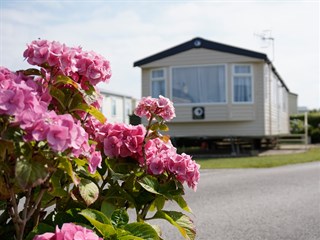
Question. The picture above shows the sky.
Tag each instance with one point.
(127, 31)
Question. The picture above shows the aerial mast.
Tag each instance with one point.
(266, 38)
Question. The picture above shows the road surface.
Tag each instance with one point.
(280, 203)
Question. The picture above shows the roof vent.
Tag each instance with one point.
(197, 43)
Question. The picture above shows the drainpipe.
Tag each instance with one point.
(270, 100)
(306, 129)
(123, 109)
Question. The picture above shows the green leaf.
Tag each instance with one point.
(182, 222)
(154, 126)
(80, 162)
(95, 214)
(170, 189)
(31, 71)
(57, 189)
(107, 208)
(142, 230)
(129, 237)
(99, 221)
(182, 203)
(59, 95)
(65, 164)
(30, 174)
(158, 203)
(89, 191)
(125, 235)
(119, 218)
(163, 127)
(150, 184)
(91, 110)
(71, 215)
(61, 79)
(25, 149)
(40, 229)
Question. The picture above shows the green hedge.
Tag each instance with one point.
(297, 125)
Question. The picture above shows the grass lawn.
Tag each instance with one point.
(310, 155)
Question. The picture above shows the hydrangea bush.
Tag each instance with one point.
(66, 173)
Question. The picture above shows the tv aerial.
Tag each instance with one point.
(266, 38)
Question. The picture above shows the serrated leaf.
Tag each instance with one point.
(80, 162)
(30, 174)
(163, 127)
(89, 191)
(182, 222)
(107, 208)
(58, 95)
(65, 164)
(129, 237)
(126, 235)
(154, 126)
(66, 80)
(170, 189)
(95, 214)
(91, 110)
(57, 190)
(182, 203)
(150, 184)
(158, 203)
(119, 218)
(142, 230)
(99, 221)
(32, 71)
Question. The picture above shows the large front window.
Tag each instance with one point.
(242, 84)
(201, 84)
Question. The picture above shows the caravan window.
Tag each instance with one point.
(158, 83)
(242, 84)
(199, 84)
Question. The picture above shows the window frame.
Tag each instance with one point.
(152, 79)
(203, 103)
(234, 74)
(113, 107)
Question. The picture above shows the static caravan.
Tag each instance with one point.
(116, 107)
(219, 91)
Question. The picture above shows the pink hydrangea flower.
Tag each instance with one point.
(73, 62)
(37, 52)
(6, 77)
(69, 231)
(94, 67)
(150, 107)
(157, 165)
(95, 161)
(158, 153)
(122, 140)
(11, 101)
(185, 169)
(20, 97)
(162, 157)
(165, 108)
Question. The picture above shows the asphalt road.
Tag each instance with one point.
(280, 203)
